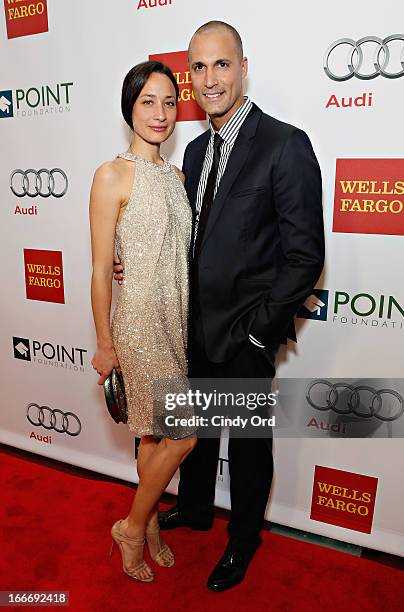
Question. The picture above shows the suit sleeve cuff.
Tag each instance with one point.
(255, 341)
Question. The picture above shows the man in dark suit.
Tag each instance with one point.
(254, 185)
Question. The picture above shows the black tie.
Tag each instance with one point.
(208, 195)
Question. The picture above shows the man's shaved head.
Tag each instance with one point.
(215, 26)
(217, 68)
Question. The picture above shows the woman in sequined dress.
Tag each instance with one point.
(139, 208)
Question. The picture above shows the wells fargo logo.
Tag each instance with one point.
(188, 109)
(343, 498)
(44, 276)
(26, 17)
(369, 196)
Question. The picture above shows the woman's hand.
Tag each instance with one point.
(103, 362)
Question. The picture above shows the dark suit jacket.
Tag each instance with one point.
(263, 247)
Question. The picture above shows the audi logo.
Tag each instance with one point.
(381, 58)
(62, 422)
(373, 407)
(33, 183)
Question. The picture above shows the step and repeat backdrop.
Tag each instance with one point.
(337, 71)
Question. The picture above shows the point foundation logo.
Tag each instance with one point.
(369, 196)
(188, 109)
(49, 354)
(25, 17)
(44, 276)
(365, 309)
(35, 101)
(351, 308)
(21, 348)
(315, 306)
(6, 104)
(343, 498)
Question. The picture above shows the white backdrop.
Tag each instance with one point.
(92, 45)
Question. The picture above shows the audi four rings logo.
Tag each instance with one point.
(33, 183)
(62, 422)
(353, 400)
(381, 58)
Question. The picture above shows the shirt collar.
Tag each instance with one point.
(229, 131)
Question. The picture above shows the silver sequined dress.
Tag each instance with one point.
(149, 325)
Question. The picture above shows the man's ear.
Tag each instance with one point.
(244, 67)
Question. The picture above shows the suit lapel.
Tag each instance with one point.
(236, 161)
(192, 179)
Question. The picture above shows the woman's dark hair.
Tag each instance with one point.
(134, 82)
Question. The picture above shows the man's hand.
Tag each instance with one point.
(118, 270)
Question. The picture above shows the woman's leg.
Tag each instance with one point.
(157, 467)
(156, 473)
(147, 447)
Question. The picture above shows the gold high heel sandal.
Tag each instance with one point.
(165, 556)
(142, 571)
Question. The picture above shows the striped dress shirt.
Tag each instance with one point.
(229, 132)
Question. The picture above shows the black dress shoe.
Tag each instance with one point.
(171, 519)
(230, 570)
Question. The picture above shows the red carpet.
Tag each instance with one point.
(55, 536)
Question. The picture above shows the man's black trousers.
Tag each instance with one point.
(250, 459)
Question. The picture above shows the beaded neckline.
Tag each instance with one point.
(165, 167)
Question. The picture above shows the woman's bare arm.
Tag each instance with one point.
(105, 202)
